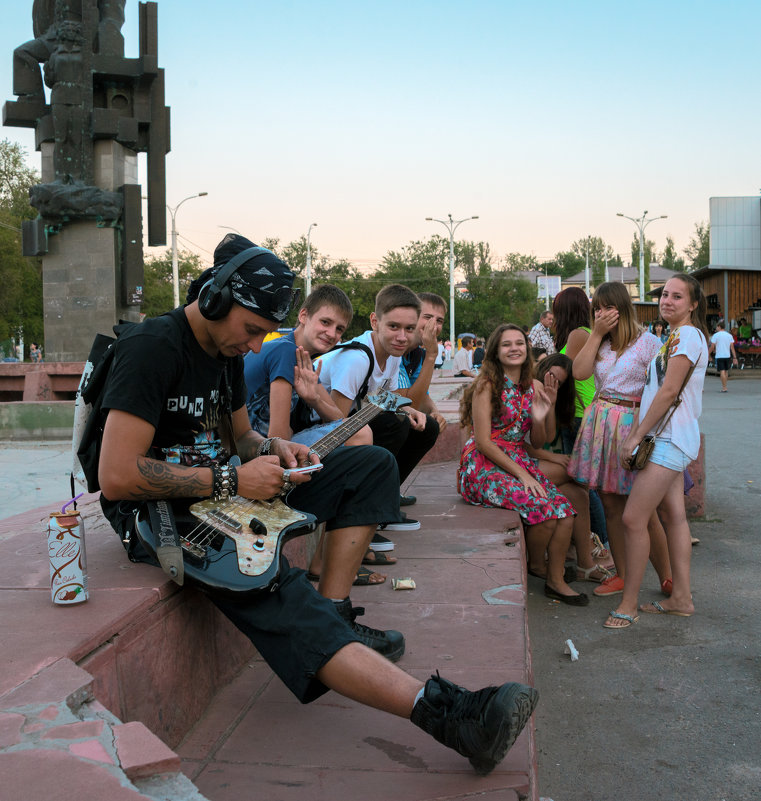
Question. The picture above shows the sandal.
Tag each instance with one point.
(628, 620)
(368, 578)
(365, 578)
(378, 558)
(599, 551)
(585, 573)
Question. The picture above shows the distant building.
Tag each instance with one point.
(629, 276)
(732, 280)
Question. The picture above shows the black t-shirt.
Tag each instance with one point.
(162, 375)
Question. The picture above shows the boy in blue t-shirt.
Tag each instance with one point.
(285, 393)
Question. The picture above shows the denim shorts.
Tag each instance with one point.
(666, 454)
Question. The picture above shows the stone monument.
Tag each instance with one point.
(103, 110)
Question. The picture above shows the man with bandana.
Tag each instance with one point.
(163, 439)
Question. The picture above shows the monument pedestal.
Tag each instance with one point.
(82, 282)
(81, 290)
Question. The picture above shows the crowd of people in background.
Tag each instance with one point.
(628, 384)
(555, 414)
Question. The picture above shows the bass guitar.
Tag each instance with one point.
(234, 545)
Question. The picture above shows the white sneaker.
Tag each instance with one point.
(408, 524)
(380, 543)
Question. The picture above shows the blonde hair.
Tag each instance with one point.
(627, 330)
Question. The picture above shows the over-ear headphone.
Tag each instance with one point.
(216, 297)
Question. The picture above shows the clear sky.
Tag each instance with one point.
(543, 118)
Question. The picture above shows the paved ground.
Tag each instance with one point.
(33, 475)
(669, 709)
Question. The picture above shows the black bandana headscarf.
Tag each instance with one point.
(261, 284)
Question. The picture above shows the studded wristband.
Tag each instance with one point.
(224, 482)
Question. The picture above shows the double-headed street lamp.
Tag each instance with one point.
(175, 268)
(642, 223)
(451, 226)
(309, 261)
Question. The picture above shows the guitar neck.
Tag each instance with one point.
(347, 429)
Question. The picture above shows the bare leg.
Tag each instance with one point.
(363, 675)
(579, 498)
(680, 547)
(342, 554)
(537, 542)
(614, 509)
(557, 548)
(659, 550)
(650, 486)
(315, 566)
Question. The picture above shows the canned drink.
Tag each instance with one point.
(68, 564)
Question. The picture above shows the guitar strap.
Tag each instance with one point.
(168, 552)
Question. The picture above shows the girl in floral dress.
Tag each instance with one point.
(617, 352)
(503, 405)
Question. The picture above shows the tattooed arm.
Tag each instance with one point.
(126, 473)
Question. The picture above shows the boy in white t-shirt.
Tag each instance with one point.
(723, 344)
(393, 330)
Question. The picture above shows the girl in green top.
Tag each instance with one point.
(572, 312)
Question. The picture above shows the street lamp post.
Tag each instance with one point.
(175, 267)
(586, 269)
(309, 261)
(451, 226)
(642, 223)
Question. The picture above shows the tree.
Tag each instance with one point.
(158, 289)
(698, 251)
(670, 260)
(20, 277)
(569, 263)
(520, 261)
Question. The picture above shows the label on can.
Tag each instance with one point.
(68, 564)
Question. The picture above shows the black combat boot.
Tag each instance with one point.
(388, 643)
(480, 725)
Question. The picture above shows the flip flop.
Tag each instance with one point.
(368, 578)
(629, 620)
(654, 608)
(378, 558)
(363, 578)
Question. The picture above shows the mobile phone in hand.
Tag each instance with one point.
(310, 468)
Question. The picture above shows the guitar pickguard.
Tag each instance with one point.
(254, 526)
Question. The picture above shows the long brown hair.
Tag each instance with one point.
(628, 330)
(698, 314)
(572, 311)
(492, 374)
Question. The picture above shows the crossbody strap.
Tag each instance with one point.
(676, 402)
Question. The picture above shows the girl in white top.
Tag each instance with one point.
(660, 484)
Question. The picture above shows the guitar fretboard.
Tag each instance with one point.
(347, 429)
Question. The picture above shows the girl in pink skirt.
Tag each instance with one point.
(617, 352)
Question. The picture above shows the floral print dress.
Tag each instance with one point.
(482, 483)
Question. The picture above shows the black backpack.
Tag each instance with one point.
(89, 419)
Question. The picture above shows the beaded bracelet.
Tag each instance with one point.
(265, 446)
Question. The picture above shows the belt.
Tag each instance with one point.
(631, 404)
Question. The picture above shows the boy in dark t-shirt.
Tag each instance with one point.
(162, 440)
